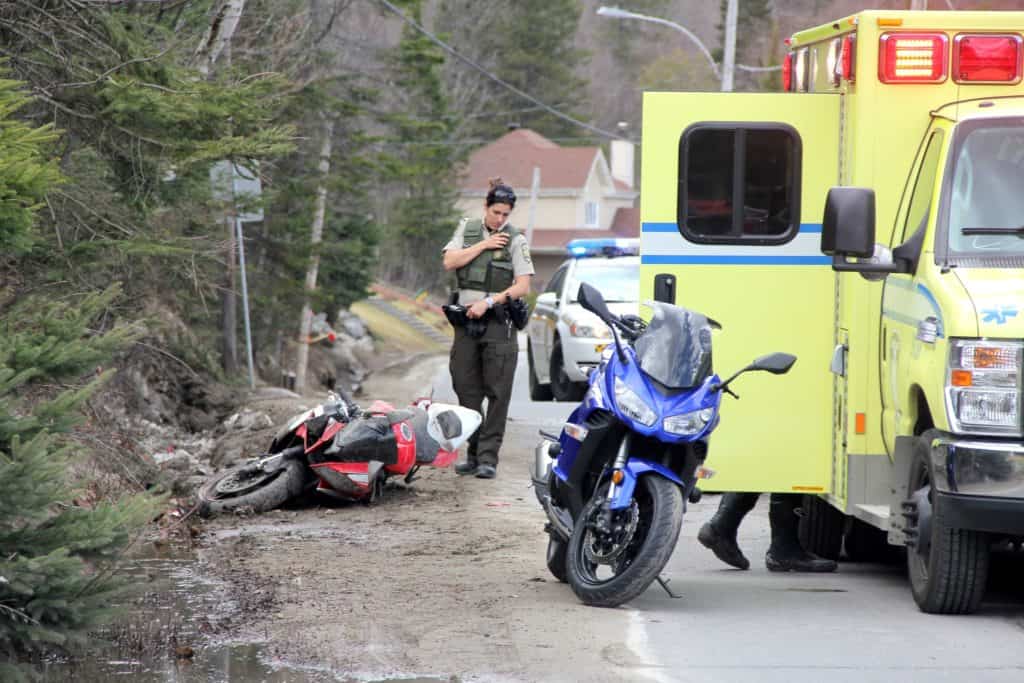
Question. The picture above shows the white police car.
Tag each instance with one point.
(564, 341)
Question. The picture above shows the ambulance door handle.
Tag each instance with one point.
(838, 366)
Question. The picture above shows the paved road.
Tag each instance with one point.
(859, 624)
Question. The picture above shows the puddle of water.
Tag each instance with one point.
(179, 609)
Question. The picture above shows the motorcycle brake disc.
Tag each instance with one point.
(605, 548)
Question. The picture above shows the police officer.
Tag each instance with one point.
(785, 553)
(492, 263)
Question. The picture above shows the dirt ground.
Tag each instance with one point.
(445, 579)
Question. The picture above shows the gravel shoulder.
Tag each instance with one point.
(445, 579)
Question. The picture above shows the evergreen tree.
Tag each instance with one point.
(529, 44)
(55, 582)
(422, 163)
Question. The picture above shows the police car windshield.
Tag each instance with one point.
(986, 204)
(618, 279)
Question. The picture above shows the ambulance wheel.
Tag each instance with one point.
(563, 388)
(948, 567)
(556, 557)
(538, 391)
(821, 527)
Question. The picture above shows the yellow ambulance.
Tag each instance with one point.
(870, 220)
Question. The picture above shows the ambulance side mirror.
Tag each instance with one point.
(848, 231)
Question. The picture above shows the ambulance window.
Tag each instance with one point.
(739, 183)
(921, 199)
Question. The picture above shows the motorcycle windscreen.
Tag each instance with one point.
(732, 197)
(366, 439)
(675, 349)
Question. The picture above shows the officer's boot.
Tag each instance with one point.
(786, 554)
(719, 534)
(471, 465)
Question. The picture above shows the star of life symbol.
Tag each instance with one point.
(998, 315)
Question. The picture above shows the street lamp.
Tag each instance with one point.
(619, 13)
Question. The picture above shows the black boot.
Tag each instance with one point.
(719, 534)
(785, 554)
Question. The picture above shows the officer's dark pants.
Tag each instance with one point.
(484, 368)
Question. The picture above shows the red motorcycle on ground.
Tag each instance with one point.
(347, 452)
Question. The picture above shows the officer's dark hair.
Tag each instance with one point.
(500, 193)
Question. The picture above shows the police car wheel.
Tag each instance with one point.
(538, 391)
(563, 388)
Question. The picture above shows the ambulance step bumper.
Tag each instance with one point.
(980, 484)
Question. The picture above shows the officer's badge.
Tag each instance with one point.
(526, 252)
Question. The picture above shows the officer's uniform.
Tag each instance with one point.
(485, 366)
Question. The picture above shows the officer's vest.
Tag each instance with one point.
(491, 271)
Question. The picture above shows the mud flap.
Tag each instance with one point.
(899, 476)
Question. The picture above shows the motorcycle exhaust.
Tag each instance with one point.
(540, 469)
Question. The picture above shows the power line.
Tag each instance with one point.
(466, 60)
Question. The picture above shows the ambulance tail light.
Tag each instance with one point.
(987, 58)
(846, 59)
(913, 57)
(787, 72)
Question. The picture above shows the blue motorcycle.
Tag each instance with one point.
(615, 482)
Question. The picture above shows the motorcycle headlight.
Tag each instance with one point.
(687, 424)
(590, 331)
(983, 386)
(632, 405)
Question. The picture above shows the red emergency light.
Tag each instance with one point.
(987, 58)
(846, 58)
(787, 72)
(913, 57)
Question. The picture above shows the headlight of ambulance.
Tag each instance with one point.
(687, 424)
(590, 331)
(983, 386)
(632, 405)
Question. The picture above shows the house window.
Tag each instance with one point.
(739, 183)
(590, 217)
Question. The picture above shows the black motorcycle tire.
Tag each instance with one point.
(663, 520)
(556, 557)
(288, 483)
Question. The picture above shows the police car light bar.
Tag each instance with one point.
(585, 248)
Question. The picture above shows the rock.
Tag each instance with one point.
(351, 324)
(179, 461)
(247, 419)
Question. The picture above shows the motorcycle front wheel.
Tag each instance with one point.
(609, 564)
(250, 488)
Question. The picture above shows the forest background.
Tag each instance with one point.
(114, 116)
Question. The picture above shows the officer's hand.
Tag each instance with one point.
(496, 241)
(477, 310)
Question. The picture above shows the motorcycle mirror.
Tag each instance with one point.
(590, 298)
(775, 363)
(450, 425)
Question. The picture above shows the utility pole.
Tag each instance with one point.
(729, 58)
(534, 189)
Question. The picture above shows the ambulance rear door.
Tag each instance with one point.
(733, 190)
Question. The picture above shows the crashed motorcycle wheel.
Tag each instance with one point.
(245, 487)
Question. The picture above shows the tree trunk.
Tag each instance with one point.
(218, 35)
(302, 357)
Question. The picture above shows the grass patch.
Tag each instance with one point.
(393, 331)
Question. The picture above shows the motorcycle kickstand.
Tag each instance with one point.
(664, 584)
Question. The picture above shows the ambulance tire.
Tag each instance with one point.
(538, 391)
(948, 570)
(821, 528)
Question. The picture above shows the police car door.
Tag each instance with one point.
(732, 198)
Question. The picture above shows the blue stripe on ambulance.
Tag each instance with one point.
(663, 245)
(912, 304)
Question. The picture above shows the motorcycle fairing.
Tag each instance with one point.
(635, 468)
